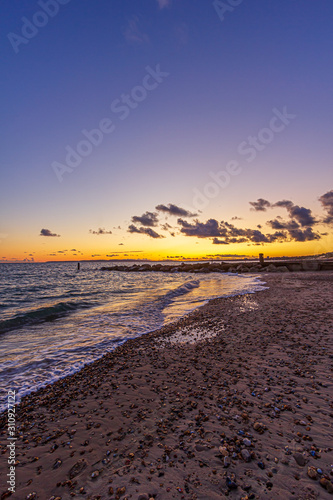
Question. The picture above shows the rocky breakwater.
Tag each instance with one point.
(223, 267)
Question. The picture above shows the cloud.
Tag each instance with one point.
(133, 34)
(327, 203)
(260, 205)
(280, 224)
(224, 233)
(216, 241)
(304, 235)
(302, 215)
(208, 229)
(144, 230)
(100, 231)
(163, 3)
(283, 203)
(47, 232)
(171, 209)
(236, 218)
(148, 219)
(129, 251)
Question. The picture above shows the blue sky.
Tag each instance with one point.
(224, 79)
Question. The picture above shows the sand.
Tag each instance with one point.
(234, 400)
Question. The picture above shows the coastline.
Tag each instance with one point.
(170, 415)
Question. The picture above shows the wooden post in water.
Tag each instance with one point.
(261, 258)
(78, 266)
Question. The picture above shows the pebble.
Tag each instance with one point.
(246, 455)
(247, 442)
(77, 468)
(226, 462)
(121, 491)
(326, 483)
(57, 464)
(223, 450)
(300, 459)
(259, 427)
(231, 484)
(312, 472)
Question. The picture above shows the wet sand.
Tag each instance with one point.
(234, 400)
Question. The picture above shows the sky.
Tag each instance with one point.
(165, 129)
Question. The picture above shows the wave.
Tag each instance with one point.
(43, 315)
(181, 290)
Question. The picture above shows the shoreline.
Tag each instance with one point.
(170, 415)
(257, 281)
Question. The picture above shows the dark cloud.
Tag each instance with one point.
(100, 230)
(304, 235)
(47, 232)
(236, 218)
(167, 227)
(278, 223)
(260, 205)
(216, 241)
(327, 203)
(302, 215)
(224, 233)
(144, 230)
(174, 210)
(148, 219)
(208, 229)
(283, 203)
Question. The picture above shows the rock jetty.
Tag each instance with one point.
(227, 267)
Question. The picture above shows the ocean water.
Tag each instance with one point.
(54, 319)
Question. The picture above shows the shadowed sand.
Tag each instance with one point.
(234, 400)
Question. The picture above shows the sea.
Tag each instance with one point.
(55, 319)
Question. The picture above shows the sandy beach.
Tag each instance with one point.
(234, 400)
